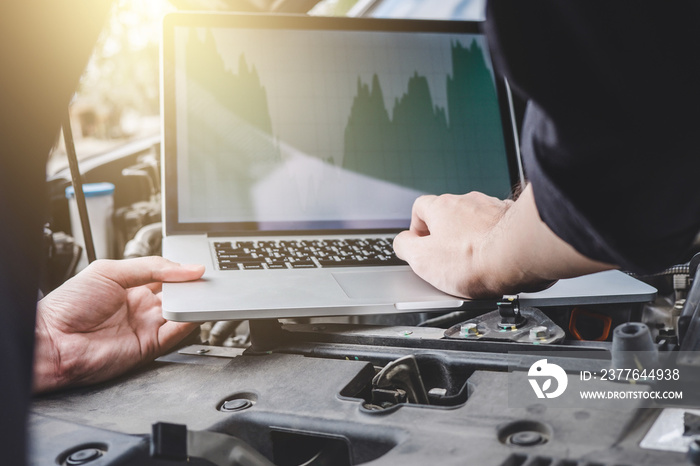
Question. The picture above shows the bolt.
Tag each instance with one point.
(83, 456)
(539, 332)
(527, 439)
(406, 333)
(470, 329)
(238, 404)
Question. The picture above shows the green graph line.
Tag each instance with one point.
(416, 145)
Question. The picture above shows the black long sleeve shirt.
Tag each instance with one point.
(609, 140)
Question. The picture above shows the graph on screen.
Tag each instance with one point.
(282, 125)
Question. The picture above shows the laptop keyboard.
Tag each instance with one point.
(305, 254)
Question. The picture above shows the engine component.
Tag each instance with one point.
(527, 325)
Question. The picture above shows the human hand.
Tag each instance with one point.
(478, 246)
(445, 241)
(105, 321)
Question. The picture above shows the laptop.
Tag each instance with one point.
(294, 147)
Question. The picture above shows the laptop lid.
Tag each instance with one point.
(294, 123)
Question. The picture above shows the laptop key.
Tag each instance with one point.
(303, 264)
(335, 263)
(235, 256)
(228, 266)
(252, 265)
(277, 265)
(372, 262)
(393, 261)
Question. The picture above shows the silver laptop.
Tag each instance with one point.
(294, 147)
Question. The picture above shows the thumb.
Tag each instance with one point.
(129, 273)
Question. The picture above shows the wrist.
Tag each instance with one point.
(522, 254)
(492, 275)
(511, 257)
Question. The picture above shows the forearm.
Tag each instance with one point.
(522, 253)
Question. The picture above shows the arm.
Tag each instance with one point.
(105, 321)
(477, 246)
(599, 157)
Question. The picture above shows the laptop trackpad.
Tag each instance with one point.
(394, 285)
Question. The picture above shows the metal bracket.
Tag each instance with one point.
(536, 329)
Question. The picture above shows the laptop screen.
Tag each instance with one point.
(300, 123)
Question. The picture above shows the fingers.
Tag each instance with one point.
(419, 215)
(171, 333)
(155, 287)
(408, 246)
(144, 270)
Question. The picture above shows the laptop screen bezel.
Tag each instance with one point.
(173, 225)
